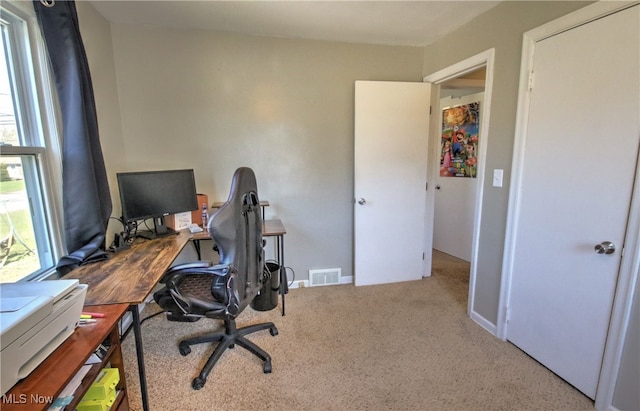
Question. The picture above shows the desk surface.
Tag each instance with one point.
(130, 275)
(53, 374)
(273, 227)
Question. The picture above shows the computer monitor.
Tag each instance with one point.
(156, 194)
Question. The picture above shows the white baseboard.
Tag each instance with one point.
(484, 323)
(299, 284)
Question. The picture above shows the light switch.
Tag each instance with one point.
(497, 177)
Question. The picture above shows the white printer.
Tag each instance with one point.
(35, 318)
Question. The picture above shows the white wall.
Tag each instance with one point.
(455, 199)
(215, 101)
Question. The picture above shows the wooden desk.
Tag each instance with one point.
(45, 383)
(128, 277)
(270, 228)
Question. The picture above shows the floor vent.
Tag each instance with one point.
(328, 276)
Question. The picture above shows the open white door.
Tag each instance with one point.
(576, 178)
(391, 136)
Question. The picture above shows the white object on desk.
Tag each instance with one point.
(195, 228)
(182, 220)
(35, 318)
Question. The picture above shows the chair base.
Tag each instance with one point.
(228, 339)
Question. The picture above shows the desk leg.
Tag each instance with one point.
(196, 245)
(284, 286)
(137, 333)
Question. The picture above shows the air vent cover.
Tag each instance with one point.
(328, 276)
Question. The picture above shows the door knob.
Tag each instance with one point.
(362, 201)
(606, 247)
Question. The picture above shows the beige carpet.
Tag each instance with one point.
(406, 346)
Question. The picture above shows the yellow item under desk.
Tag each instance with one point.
(104, 386)
(96, 405)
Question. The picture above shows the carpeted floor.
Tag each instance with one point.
(404, 346)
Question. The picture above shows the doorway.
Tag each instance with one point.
(456, 188)
(445, 79)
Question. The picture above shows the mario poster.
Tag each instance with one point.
(459, 144)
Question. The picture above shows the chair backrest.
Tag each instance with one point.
(236, 229)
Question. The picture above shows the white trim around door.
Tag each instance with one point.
(483, 59)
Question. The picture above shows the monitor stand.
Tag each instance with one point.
(160, 230)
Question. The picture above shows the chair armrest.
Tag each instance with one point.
(189, 265)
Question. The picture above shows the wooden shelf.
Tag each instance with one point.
(44, 384)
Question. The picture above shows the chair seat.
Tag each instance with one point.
(197, 288)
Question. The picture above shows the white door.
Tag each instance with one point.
(580, 155)
(390, 176)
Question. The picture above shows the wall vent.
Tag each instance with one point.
(327, 276)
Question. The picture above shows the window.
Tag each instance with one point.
(30, 174)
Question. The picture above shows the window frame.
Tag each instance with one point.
(38, 121)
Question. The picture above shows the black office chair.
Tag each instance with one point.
(222, 291)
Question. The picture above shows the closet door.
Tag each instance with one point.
(580, 156)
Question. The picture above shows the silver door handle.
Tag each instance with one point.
(606, 247)
(362, 201)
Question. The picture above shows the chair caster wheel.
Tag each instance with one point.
(184, 349)
(267, 368)
(273, 331)
(197, 383)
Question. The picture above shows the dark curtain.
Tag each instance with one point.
(86, 198)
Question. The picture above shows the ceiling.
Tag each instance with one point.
(406, 23)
